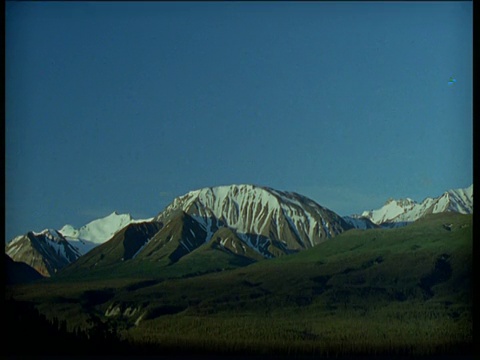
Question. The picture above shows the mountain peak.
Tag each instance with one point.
(100, 230)
(116, 214)
(47, 251)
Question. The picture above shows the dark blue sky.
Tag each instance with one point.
(124, 106)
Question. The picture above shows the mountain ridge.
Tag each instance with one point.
(404, 211)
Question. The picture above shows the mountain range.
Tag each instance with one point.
(402, 212)
(239, 223)
(219, 227)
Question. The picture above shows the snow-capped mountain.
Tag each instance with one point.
(97, 231)
(246, 222)
(47, 251)
(50, 250)
(401, 212)
(267, 220)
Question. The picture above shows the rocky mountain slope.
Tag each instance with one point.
(46, 252)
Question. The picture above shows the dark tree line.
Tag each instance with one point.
(28, 332)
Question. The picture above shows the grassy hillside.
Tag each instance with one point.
(405, 290)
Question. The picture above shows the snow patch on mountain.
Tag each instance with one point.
(100, 230)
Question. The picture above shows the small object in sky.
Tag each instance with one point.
(452, 81)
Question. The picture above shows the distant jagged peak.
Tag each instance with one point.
(100, 230)
(461, 193)
(50, 234)
(400, 202)
(404, 211)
